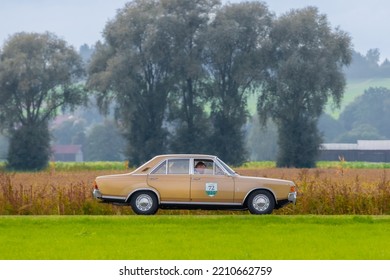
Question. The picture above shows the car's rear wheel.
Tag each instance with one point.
(144, 203)
(261, 202)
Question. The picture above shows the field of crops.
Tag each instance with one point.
(324, 191)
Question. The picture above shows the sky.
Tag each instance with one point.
(82, 21)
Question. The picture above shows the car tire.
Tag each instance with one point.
(144, 203)
(261, 202)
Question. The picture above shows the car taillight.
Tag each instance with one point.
(292, 189)
(95, 186)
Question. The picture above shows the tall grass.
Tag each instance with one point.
(330, 191)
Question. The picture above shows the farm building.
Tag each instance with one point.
(67, 153)
(363, 150)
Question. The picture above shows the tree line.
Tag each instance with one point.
(368, 66)
(177, 75)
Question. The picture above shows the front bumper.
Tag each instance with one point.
(97, 194)
(292, 197)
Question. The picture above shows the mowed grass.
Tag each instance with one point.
(177, 237)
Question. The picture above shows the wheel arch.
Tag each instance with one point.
(128, 199)
(245, 201)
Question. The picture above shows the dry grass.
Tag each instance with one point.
(321, 191)
(335, 191)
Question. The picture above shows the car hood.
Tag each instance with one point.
(264, 180)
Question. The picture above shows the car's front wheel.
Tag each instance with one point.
(144, 203)
(261, 202)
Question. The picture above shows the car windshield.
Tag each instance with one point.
(226, 167)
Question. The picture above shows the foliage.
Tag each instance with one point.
(107, 166)
(306, 71)
(37, 77)
(261, 140)
(367, 66)
(104, 142)
(235, 61)
(330, 128)
(29, 148)
(3, 147)
(70, 131)
(132, 69)
(371, 109)
(186, 22)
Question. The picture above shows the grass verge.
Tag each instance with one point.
(227, 237)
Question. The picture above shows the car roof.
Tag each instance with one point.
(184, 155)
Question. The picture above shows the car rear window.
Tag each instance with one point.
(173, 166)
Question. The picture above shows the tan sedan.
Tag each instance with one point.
(192, 181)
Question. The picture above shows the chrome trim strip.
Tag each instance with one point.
(113, 197)
(200, 203)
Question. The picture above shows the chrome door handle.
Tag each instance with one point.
(196, 179)
(153, 178)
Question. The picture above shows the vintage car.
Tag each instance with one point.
(192, 181)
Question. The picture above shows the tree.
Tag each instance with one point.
(330, 128)
(234, 61)
(37, 77)
(308, 59)
(104, 142)
(360, 132)
(261, 140)
(132, 68)
(370, 109)
(186, 21)
(69, 132)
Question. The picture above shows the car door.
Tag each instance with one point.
(211, 185)
(171, 178)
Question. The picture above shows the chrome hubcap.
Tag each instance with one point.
(144, 202)
(261, 202)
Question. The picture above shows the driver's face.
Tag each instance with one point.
(200, 168)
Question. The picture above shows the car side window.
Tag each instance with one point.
(178, 166)
(161, 169)
(203, 166)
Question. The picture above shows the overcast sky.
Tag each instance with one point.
(82, 21)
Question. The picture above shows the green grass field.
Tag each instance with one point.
(218, 237)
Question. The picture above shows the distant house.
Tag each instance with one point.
(67, 153)
(363, 150)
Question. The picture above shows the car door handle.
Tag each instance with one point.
(153, 178)
(196, 179)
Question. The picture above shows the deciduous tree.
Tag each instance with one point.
(37, 78)
(186, 21)
(234, 61)
(308, 57)
(131, 68)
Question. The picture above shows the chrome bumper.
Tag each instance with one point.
(96, 194)
(292, 197)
